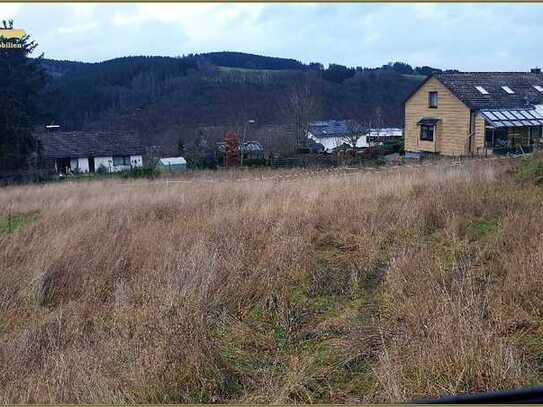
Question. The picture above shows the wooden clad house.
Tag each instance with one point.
(475, 113)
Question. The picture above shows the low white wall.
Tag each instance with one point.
(330, 143)
(83, 164)
(136, 160)
(79, 164)
(107, 162)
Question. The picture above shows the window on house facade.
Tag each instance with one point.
(501, 137)
(496, 137)
(489, 137)
(121, 160)
(507, 89)
(482, 90)
(535, 134)
(432, 99)
(427, 132)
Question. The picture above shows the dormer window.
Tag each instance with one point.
(508, 90)
(538, 88)
(432, 100)
(482, 90)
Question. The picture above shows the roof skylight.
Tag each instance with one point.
(482, 90)
(508, 90)
(538, 88)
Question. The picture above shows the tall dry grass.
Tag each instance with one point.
(279, 287)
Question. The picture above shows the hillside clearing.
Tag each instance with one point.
(373, 287)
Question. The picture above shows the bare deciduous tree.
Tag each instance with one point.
(356, 129)
(301, 107)
(377, 123)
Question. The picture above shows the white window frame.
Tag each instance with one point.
(482, 90)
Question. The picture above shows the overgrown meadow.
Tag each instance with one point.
(273, 287)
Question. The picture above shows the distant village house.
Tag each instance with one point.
(89, 151)
(249, 151)
(476, 113)
(332, 134)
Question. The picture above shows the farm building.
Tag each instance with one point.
(90, 151)
(172, 164)
(475, 113)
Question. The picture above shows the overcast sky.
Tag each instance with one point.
(462, 36)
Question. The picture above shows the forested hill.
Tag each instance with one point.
(157, 95)
(250, 61)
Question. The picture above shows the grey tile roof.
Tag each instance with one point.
(72, 144)
(463, 85)
(329, 128)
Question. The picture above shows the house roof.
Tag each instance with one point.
(428, 121)
(513, 118)
(72, 144)
(329, 128)
(248, 146)
(464, 86)
(484, 90)
(167, 161)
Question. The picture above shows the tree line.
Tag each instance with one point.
(189, 91)
(21, 80)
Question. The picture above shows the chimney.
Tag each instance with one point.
(535, 70)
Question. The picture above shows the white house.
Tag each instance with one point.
(90, 151)
(334, 133)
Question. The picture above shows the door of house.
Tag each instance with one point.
(63, 165)
(91, 164)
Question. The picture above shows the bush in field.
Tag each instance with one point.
(140, 172)
(531, 169)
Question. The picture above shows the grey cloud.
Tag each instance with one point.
(463, 36)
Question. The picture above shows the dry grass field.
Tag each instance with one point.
(273, 287)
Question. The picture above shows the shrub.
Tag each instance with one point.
(530, 169)
(140, 172)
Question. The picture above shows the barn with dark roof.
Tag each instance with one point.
(90, 151)
(475, 113)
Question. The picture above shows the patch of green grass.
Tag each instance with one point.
(323, 304)
(304, 346)
(532, 341)
(530, 170)
(12, 223)
(481, 230)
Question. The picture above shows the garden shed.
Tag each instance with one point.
(172, 164)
